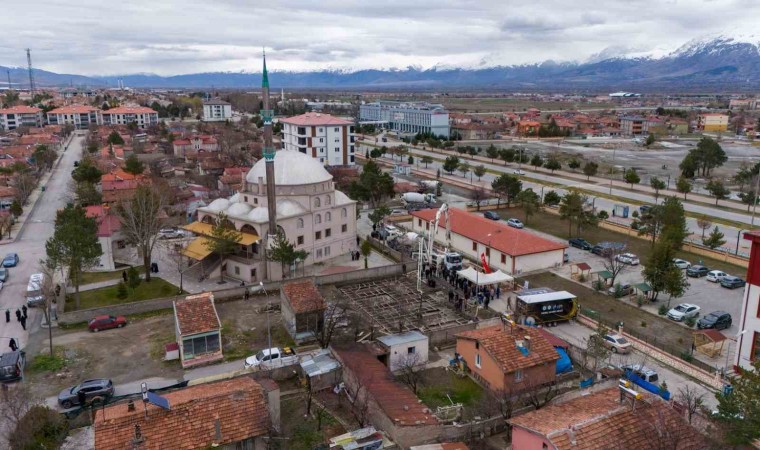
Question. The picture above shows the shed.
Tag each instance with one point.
(709, 342)
(579, 270)
(321, 369)
(410, 348)
(303, 310)
(198, 330)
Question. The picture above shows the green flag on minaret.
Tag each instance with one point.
(264, 75)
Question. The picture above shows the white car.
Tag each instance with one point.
(518, 172)
(683, 311)
(515, 223)
(681, 263)
(716, 276)
(391, 231)
(628, 258)
(170, 233)
(399, 212)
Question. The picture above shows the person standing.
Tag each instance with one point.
(12, 344)
(18, 315)
(23, 322)
(24, 312)
(124, 275)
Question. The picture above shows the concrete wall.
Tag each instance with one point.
(523, 439)
(398, 353)
(528, 263)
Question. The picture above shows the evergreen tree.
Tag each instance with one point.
(740, 409)
(590, 169)
(529, 202)
(224, 239)
(717, 190)
(658, 185)
(284, 252)
(715, 239)
(115, 138)
(451, 164)
(372, 185)
(683, 186)
(506, 187)
(479, 171)
(553, 164)
(537, 161)
(631, 177)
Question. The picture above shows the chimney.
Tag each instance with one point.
(138, 437)
(571, 434)
(527, 343)
(131, 406)
(217, 430)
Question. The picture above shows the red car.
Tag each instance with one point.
(106, 322)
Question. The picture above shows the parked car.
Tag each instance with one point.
(628, 258)
(697, 271)
(681, 263)
(384, 139)
(644, 209)
(716, 276)
(3, 274)
(518, 172)
(272, 357)
(616, 343)
(12, 366)
(389, 232)
(579, 243)
(491, 215)
(732, 282)
(720, 320)
(642, 371)
(620, 290)
(99, 387)
(106, 322)
(515, 223)
(565, 258)
(683, 311)
(607, 248)
(399, 212)
(10, 260)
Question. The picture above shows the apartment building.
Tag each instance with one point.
(748, 338)
(81, 116)
(124, 115)
(407, 117)
(327, 138)
(20, 116)
(712, 122)
(633, 126)
(216, 110)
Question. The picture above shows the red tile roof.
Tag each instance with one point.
(237, 407)
(396, 400)
(599, 421)
(508, 240)
(196, 314)
(74, 109)
(108, 223)
(304, 296)
(311, 119)
(129, 110)
(500, 343)
(21, 109)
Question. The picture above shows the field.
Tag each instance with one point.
(485, 104)
(105, 296)
(96, 277)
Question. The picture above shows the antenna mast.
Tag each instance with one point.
(31, 75)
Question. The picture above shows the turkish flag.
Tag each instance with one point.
(486, 269)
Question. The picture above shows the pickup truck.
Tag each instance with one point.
(270, 358)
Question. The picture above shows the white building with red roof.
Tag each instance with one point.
(109, 234)
(195, 143)
(81, 116)
(327, 138)
(20, 116)
(508, 249)
(124, 115)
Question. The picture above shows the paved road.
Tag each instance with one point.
(30, 247)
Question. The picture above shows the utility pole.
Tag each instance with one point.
(754, 204)
(9, 78)
(31, 75)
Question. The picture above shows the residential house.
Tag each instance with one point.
(198, 330)
(120, 185)
(216, 110)
(195, 143)
(109, 234)
(80, 116)
(512, 250)
(746, 104)
(7, 195)
(528, 127)
(633, 126)
(712, 122)
(477, 131)
(124, 115)
(303, 310)
(233, 414)
(459, 119)
(390, 406)
(405, 350)
(677, 126)
(508, 358)
(231, 180)
(20, 116)
(324, 137)
(605, 419)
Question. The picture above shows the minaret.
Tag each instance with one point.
(268, 152)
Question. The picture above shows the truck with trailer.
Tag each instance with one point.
(544, 306)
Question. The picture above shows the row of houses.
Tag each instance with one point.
(80, 116)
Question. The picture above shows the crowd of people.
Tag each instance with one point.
(461, 290)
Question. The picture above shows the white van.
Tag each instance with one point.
(34, 295)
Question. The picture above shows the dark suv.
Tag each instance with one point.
(720, 320)
(12, 366)
(579, 243)
(491, 215)
(91, 389)
(697, 271)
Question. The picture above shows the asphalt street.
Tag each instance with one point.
(30, 246)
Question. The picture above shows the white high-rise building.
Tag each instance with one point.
(327, 138)
(216, 110)
(407, 117)
(124, 115)
(20, 116)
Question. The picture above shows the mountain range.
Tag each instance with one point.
(718, 63)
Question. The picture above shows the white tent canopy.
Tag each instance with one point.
(484, 279)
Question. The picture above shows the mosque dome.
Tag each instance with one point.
(291, 168)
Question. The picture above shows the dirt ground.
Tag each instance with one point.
(135, 352)
(304, 432)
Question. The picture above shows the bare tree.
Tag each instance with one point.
(478, 197)
(16, 402)
(612, 263)
(703, 223)
(360, 405)
(49, 293)
(691, 399)
(141, 221)
(25, 183)
(409, 371)
(665, 432)
(539, 395)
(6, 224)
(596, 353)
(173, 250)
(335, 315)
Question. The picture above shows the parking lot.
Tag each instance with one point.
(705, 294)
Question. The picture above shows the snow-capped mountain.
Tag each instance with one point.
(719, 62)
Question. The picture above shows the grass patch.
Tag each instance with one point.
(157, 341)
(44, 362)
(156, 288)
(440, 385)
(307, 431)
(97, 277)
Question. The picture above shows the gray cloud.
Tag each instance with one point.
(183, 36)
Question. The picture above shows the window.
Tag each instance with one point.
(328, 217)
(503, 258)
(317, 202)
(477, 345)
(319, 253)
(337, 129)
(477, 360)
(237, 270)
(246, 198)
(411, 350)
(317, 218)
(337, 140)
(328, 233)
(321, 130)
(327, 251)
(518, 375)
(419, 223)
(255, 200)
(299, 240)
(488, 251)
(327, 200)
(474, 246)
(200, 345)
(321, 140)
(299, 223)
(253, 273)
(337, 149)
(343, 228)
(317, 235)
(344, 213)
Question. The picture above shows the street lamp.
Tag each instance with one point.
(269, 332)
(612, 172)
(728, 350)
(738, 236)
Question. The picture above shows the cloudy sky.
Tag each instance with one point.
(105, 37)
